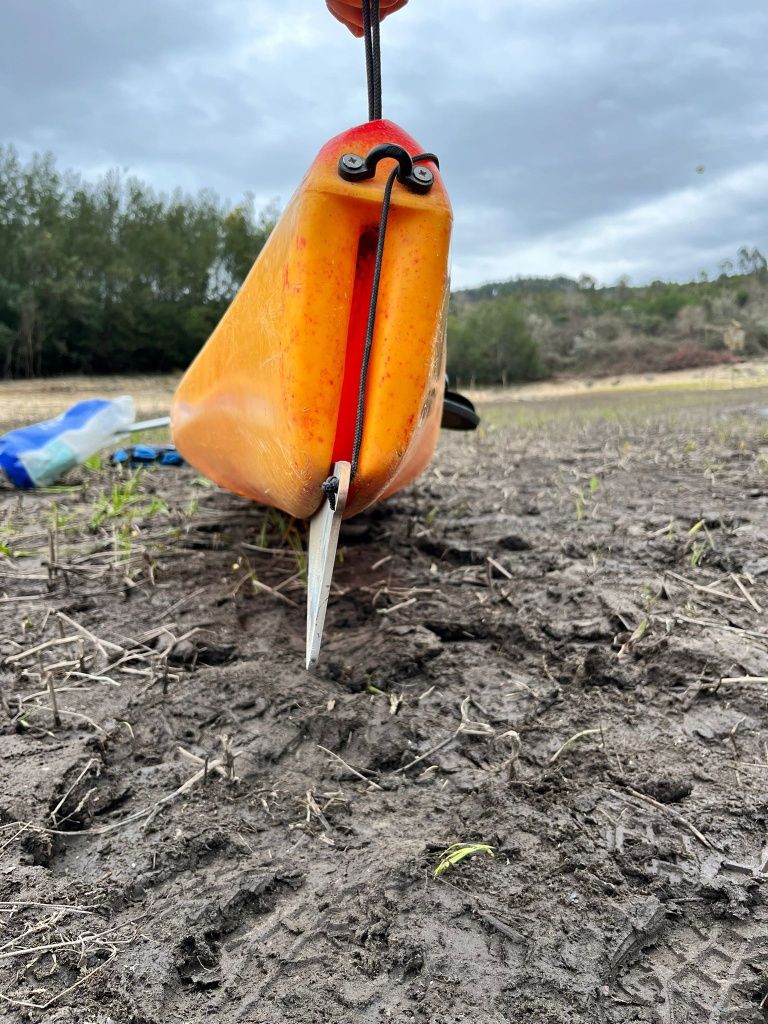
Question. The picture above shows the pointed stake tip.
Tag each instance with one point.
(321, 559)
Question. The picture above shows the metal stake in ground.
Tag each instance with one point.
(323, 541)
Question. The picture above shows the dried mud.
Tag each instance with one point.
(621, 610)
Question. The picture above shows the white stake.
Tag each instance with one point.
(323, 541)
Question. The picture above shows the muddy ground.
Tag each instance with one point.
(554, 644)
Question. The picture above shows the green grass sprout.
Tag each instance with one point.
(456, 852)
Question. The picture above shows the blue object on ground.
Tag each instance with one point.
(38, 455)
(147, 454)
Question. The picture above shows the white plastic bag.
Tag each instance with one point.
(38, 455)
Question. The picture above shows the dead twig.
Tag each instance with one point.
(349, 767)
(721, 625)
(499, 568)
(397, 607)
(572, 740)
(746, 593)
(708, 589)
(428, 753)
(674, 815)
(93, 761)
(103, 645)
(54, 703)
(39, 648)
(466, 725)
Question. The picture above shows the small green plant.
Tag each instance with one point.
(699, 547)
(124, 536)
(155, 507)
(290, 538)
(59, 520)
(114, 505)
(637, 635)
(264, 532)
(457, 852)
(9, 552)
(649, 597)
(698, 550)
(122, 503)
(584, 495)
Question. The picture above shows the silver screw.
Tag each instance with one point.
(352, 162)
(423, 174)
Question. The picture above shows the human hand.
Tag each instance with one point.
(350, 12)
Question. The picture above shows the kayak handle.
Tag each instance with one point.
(361, 168)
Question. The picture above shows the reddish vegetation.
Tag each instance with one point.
(689, 355)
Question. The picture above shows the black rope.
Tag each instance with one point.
(330, 486)
(359, 419)
(376, 47)
(372, 39)
(371, 323)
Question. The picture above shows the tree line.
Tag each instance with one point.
(110, 276)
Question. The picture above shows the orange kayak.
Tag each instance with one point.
(269, 404)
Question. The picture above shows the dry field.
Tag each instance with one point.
(28, 401)
(555, 644)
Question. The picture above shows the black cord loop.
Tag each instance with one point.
(330, 487)
(418, 179)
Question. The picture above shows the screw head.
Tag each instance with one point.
(352, 162)
(423, 174)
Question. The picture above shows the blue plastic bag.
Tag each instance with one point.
(38, 455)
(147, 454)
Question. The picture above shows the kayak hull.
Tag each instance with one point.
(269, 403)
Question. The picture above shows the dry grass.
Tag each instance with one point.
(751, 374)
(29, 401)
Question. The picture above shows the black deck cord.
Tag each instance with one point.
(372, 41)
(371, 322)
(376, 47)
(331, 485)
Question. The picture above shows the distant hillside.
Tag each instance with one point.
(518, 286)
(531, 328)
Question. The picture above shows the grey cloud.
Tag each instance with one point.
(553, 118)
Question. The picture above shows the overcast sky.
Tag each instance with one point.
(572, 133)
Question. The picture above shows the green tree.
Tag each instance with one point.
(489, 343)
(110, 276)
